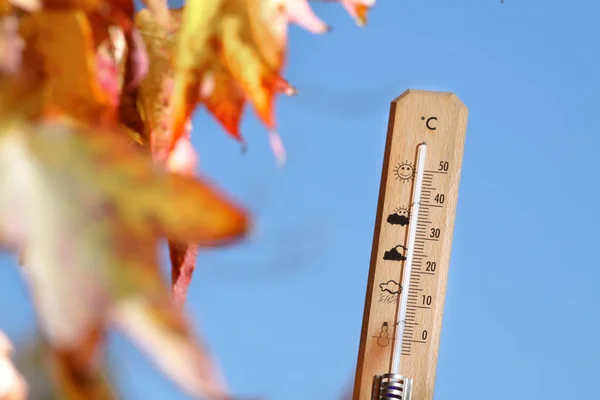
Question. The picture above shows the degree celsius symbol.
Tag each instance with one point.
(429, 123)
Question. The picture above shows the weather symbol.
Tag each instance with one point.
(400, 216)
(383, 338)
(404, 171)
(394, 255)
(391, 287)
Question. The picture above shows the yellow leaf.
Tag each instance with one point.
(192, 61)
(161, 12)
(154, 92)
(88, 210)
(246, 37)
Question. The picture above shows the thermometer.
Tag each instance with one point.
(411, 247)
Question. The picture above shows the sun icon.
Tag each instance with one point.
(404, 171)
(402, 211)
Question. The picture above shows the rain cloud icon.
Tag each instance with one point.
(391, 287)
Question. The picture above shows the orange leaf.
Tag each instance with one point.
(226, 101)
(247, 39)
(61, 48)
(358, 9)
(9, 6)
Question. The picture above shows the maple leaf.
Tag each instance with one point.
(153, 106)
(87, 210)
(61, 50)
(117, 12)
(241, 45)
(12, 384)
(220, 92)
(154, 92)
(183, 255)
(111, 56)
(240, 39)
(161, 12)
(83, 58)
(11, 45)
(357, 9)
(138, 62)
(300, 12)
(223, 98)
(7, 7)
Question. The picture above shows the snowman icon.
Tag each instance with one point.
(383, 338)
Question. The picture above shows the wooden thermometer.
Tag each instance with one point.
(411, 247)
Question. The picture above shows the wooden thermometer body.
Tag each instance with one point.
(438, 120)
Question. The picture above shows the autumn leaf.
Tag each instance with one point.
(115, 12)
(60, 48)
(111, 56)
(137, 58)
(183, 255)
(78, 370)
(241, 39)
(220, 92)
(80, 56)
(11, 45)
(358, 9)
(154, 91)
(88, 211)
(299, 11)
(12, 384)
(8, 7)
(239, 43)
(223, 98)
(152, 100)
(161, 12)
(229, 51)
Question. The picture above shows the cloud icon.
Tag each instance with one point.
(397, 219)
(391, 286)
(394, 255)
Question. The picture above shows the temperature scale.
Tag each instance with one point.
(411, 247)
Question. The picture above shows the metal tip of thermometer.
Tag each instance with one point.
(391, 386)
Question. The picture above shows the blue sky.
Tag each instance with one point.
(283, 311)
